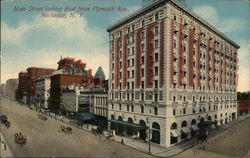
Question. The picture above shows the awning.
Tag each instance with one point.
(174, 133)
(85, 116)
(194, 127)
(129, 124)
(184, 129)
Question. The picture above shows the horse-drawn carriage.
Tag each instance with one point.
(42, 117)
(66, 130)
(20, 139)
(5, 121)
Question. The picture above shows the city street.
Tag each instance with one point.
(230, 143)
(45, 140)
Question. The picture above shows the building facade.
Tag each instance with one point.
(169, 71)
(11, 87)
(69, 72)
(22, 86)
(86, 100)
(33, 74)
(42, 92)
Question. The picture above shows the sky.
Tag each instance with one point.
(28, 38)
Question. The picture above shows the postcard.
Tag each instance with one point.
(123, 78)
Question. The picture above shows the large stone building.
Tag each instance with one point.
(169, 71)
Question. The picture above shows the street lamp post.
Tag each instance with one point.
(149, 145)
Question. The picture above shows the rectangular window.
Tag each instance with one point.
(133, 85)
(142, 60)
(142, 109)
(156, 97)
(142, 72)
(155, 111)
(143, 23)
(156, 16)
(127, 107)
(156, 70)
(142, 47)
(156, 30)
(156, 83)
(142, 97)
(156, 56)
(133, 50)
(156, 44)
(120, 107)
(133, 27)
(133, 62)
(133, 73)
(142, 84)
(132, 108)
(128, 74)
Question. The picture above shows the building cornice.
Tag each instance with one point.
(141, 11)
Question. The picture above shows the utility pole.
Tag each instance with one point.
(149, 147)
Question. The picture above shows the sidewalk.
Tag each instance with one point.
(5, 150)
(160, 151)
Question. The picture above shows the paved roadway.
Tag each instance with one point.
(44, 140)
(233, 142)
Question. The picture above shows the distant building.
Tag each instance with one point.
(2, 88)
(85, 100)
(33, 74)
(244, 107)
(22, 91)
(42, 92)
(69, 72)
(26, 86)
(11, 88)
(99, 77)
(244, 103)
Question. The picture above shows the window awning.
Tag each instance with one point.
(184, 129)
(129, 124)
(194, 127)
(174, 133)
(85, 116)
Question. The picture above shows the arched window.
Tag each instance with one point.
(155, 133)
(130, 129)
(184, 124)
(193, 122)
(174, 126)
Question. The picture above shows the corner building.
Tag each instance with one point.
(169, 70)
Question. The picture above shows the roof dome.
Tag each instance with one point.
(99, 73)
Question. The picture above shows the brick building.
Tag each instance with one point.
(169, 71)
(33, 74)
(72, 72)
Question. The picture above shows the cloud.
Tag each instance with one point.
(210, 14)
(244, 68)
(42, 41)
